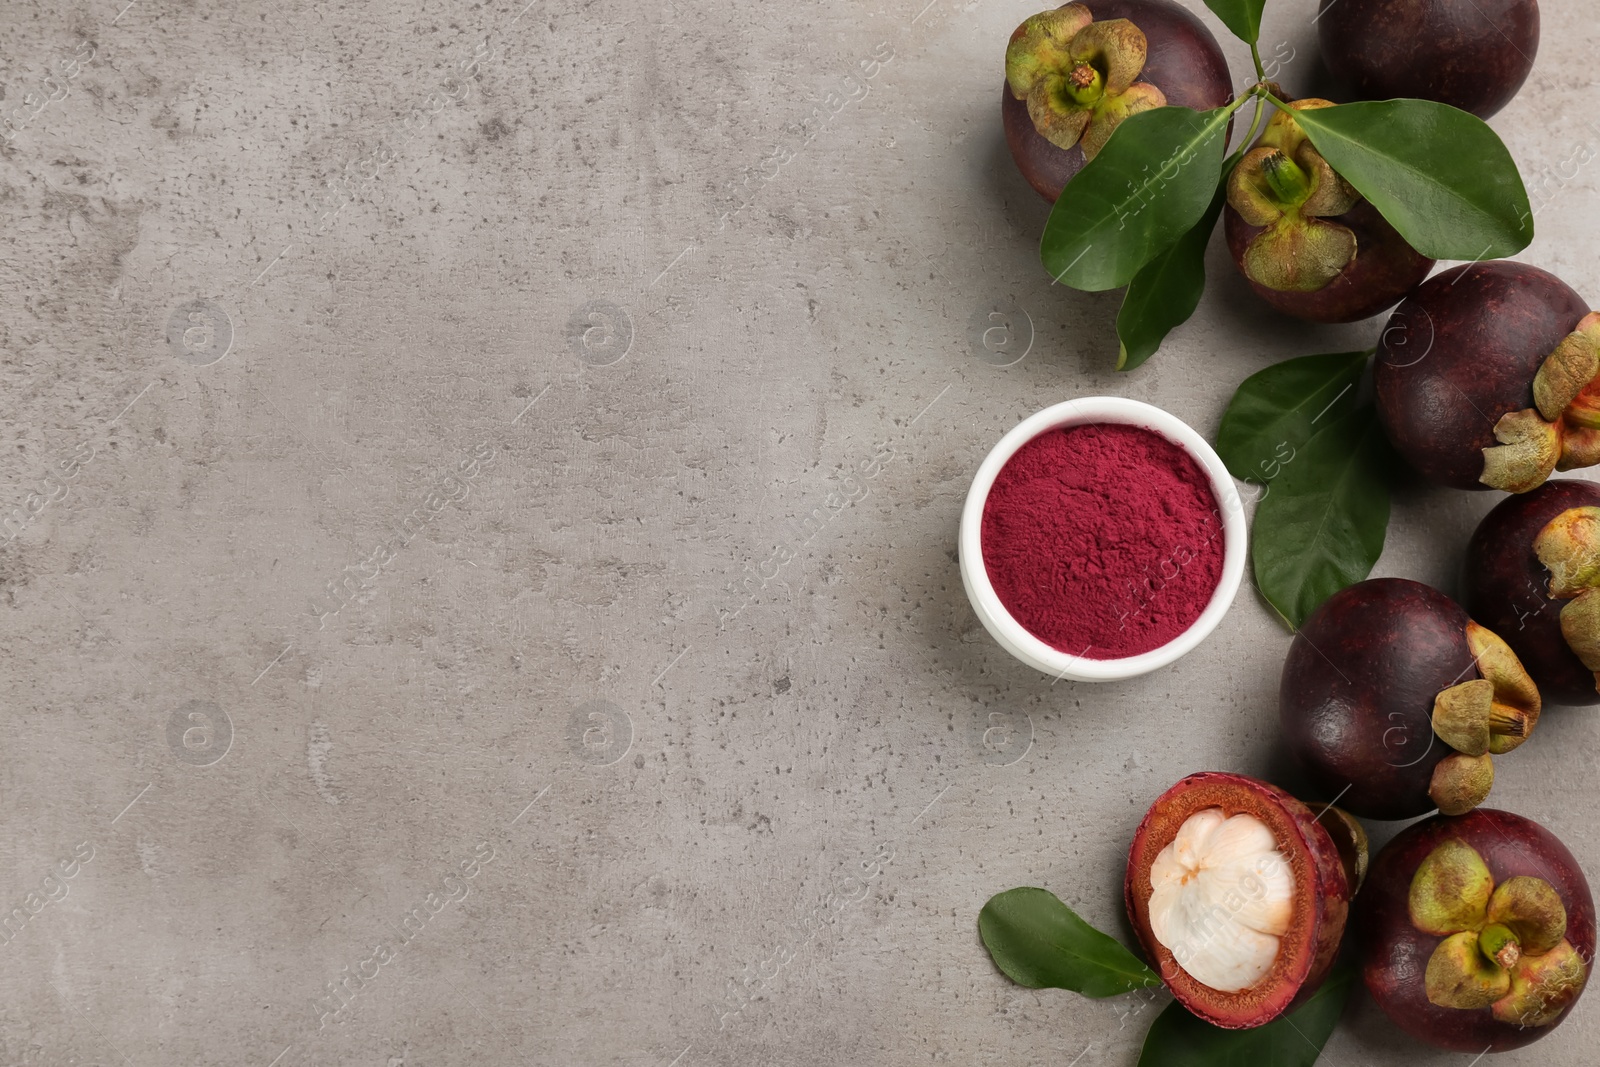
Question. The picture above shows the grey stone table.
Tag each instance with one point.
(480, 581)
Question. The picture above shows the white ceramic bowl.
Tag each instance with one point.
(1008, 631)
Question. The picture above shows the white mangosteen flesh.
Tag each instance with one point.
(1222, 897)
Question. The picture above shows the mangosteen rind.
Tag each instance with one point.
(1470, 54)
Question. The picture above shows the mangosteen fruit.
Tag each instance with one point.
(1531, 572)
(1074, 73)
(1486, 378)
(1239, 895)
(1470, 54)
(1305, 240)
(1476, 931)
(1394, 702)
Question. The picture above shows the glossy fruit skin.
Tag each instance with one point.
(1385, 269)
(1183, 60)
(1470, 54)
(1460, 352)
(1313, 853)
(1356, 696)
(1395, 954)
(1505, 587)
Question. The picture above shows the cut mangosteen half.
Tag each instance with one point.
(1239, 895)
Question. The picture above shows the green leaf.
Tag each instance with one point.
(1166, 290)
(1178, 1039)
(1041, 943)
(1439, 175)
(1321, 525)
(1148, 186)
(1275, 411)
(1243, 17)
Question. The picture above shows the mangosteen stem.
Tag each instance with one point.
(1500, 944)
(1084, 84)
(1508, 721)
(1255, 121)
(1289, 183)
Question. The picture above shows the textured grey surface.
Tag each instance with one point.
(575, 350)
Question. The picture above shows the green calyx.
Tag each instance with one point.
(1285, 186)
(1461, 782)
(1078, 76)
(1484, 717)
(1529, 449)
(1569, 548)
(1566, 390)
(1542, 987)
(1450, 891)
(1530, 913)
(1459, 975)
(1504, 947)
(1562, 429)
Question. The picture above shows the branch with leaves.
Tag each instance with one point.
(1141, 211)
